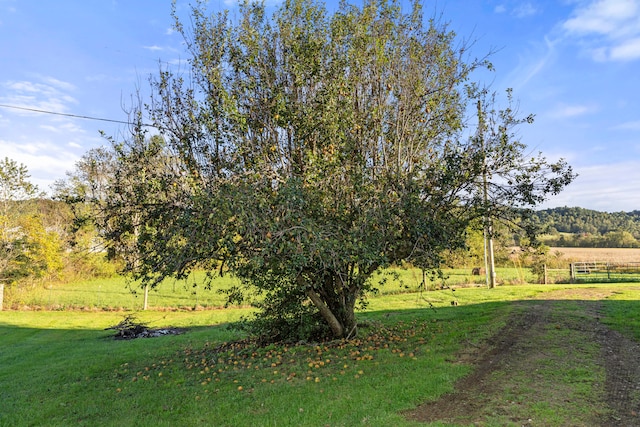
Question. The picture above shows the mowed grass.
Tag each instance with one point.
(63, 368)
(118, 293)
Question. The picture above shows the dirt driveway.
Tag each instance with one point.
(553, 364)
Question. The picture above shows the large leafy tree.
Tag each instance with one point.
(14, 186)
(307, 150)
(85, 190)
(15, 189)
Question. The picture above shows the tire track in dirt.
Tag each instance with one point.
(523, 344)
(622, 363)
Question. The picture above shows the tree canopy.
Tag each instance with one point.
(565, 226)
(303, 151)
(27, 248)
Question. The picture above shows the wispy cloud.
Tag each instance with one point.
(233, 3)
(519, 9)
(46, 94)
(59, 84)
(610, 188)
(564, 111)
(627, 50)
(153, 48)
(65, 127)
(633, 125)
(532, 63)
(48, 144)
(524, 10)
(8, 8)
(609, 29)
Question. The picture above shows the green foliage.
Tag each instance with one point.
(14, 185)
(288, 318)
(308, 150)
(28, 248)
(84, 191)
(39, 252)
(579, 227)
(472, 254)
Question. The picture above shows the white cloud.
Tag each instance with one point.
(609, 30)
(519, 10)
(609, 188)
(626, 51)
(601, 16)
(46, 161)
(567, 111)
(52, 95)
(48, 144)
(63, 127)
(524, 10)
(154, 48)
(59, 84)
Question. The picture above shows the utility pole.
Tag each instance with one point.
(136, 234)
(489, 265)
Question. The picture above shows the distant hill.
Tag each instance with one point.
(588, 228)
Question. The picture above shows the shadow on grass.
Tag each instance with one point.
(623, 316)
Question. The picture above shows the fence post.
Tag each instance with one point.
(145, 303)
(572, 275)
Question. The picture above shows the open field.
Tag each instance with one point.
(600, 254)
(115, 294)
(543, 348)
(600, 264)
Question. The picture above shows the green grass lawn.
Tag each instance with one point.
(63, 368)
(116, 294)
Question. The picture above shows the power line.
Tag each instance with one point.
(77, 116)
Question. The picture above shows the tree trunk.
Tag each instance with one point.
(349, 321)
(326, 313)
(1, 295)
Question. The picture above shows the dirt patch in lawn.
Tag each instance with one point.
(553, 364)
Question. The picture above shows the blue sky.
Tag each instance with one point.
(575, 64)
